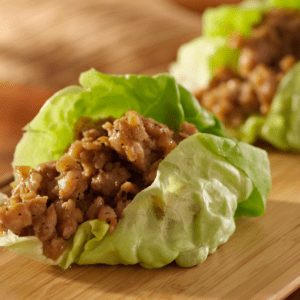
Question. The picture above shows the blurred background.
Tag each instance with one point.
(48, 43)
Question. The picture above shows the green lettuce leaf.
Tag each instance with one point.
(226, 19)
(282, 124)
(285, 3)
(250, 131)
(198, 59)
(200, 187)
(281, 127)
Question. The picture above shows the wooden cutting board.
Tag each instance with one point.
(260, 261)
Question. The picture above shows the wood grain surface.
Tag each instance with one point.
(48, 43)
(45, 45)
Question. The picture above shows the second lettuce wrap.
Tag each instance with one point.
(197, 60)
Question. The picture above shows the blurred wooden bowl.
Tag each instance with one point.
(201, 5)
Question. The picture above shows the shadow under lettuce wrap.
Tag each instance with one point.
(200, 187)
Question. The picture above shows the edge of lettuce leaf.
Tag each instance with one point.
(284, 3)
(30, 247)
(226, 19)
(242, 154)
(199, 59)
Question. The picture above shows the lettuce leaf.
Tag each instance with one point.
(198, 59)
(282, 125)
(29, 246)
(100, 96)
(200, 187)
(226, 19)
(285, 3)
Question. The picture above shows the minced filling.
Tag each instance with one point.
(266, 56)
(109, 162)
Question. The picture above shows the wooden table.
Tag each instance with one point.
(45, 45)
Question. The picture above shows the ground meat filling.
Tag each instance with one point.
(101, 172)
(266, 56)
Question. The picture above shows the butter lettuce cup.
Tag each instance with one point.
(245, 69)
(129, 170)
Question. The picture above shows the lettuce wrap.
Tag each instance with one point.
(198, 60)
(200, 188)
